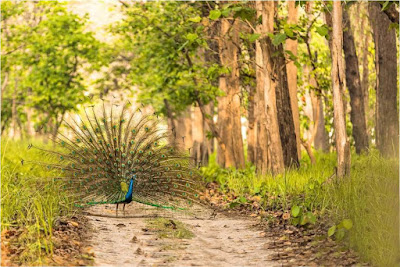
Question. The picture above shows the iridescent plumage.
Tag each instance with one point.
(118, 158)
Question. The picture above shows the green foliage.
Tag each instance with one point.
(341, 229)
(363, 207)
(169, 39)
(43, 58)
(54, 77)
(300, 217)
(29, 200)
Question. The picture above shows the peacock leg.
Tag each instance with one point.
(117, 207)
(124, 207)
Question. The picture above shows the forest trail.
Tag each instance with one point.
(220, 241)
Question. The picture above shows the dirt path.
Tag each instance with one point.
(221, 241)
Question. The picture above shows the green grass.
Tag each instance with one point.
(29, 201)
(166, 228)
(369, 197)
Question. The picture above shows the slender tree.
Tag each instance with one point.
(339, 84)
(387, 116)
(291, 45)
(353, 81)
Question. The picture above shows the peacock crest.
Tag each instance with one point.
(120, 155)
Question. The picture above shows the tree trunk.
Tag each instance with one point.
(321, 141)
(387, 116)
(184, 139)
(365, 36)
(291, 69)
(229, 123)
(357, 113)
(285, 116)
(252, 126)
(202, 148)
(269, 147)
(338, 84)
(171, 123)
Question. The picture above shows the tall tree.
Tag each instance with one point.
(338, 86)
(284, 108)
(291, 45)
(229, 123)
(269, 147)
(387, 116)
(357, 113)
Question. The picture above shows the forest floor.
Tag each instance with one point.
(131, 238)
(221, 240)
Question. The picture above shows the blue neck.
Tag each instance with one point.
(128, 196)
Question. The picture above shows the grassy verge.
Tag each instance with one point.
(166, 228)
(29, 202)
(368, 200)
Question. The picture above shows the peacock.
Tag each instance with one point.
(118, 155)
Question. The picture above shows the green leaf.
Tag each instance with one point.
(257, 189)
(226, 12)
(295, 221)
(323, 30)
(242, 200)
(347, 224)
(386, 5)
(340, 234)
(278, 39)
(288, 31)
(254, 37)
(311, 217)
(331, 231)
(215, 14)
(195, 19)
(295, 211)
(191, 36)
(304, 220)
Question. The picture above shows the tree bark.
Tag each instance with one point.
(283, 104)
(170, 122)
(184, 139)
(252, 126)
(269, 147)
(321, 141)
(338, 84)
(229, 124)
(291, 69)
(202, 147)
(392, 13)
(387, 116)
(365, 70)
(357, 113)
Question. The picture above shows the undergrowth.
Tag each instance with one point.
(367, 201)
(30, 201)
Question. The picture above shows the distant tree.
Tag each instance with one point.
(291, 45)
(353, 81)
(387, 115)
(52, 49)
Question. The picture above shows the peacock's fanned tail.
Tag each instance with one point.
(103, 151)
